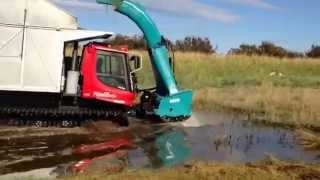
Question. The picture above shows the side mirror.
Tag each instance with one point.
(135, 62)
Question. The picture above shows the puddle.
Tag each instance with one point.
(205, 137)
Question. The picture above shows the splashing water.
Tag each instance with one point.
(193, 121)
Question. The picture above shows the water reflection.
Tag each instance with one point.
(207, 137)
(167, 148)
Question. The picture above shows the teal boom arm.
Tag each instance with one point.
(172, 102)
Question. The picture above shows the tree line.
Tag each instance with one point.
(270, 49)
(190, 43)
(204, 45)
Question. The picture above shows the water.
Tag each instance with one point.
(205, 137)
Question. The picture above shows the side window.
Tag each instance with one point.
(117, 66)
(103, 64)
(111, 70)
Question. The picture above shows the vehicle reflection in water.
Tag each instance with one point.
(167, 147)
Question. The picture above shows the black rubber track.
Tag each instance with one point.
(62, 117)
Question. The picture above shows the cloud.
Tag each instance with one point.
(255, 3)
(190, 8)
(79, 4)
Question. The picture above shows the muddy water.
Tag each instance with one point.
(221, 137)
(205, 137)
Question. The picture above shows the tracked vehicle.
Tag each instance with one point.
(52, 70)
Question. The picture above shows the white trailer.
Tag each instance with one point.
(33, 34)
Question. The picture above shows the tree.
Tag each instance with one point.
(190, 43)
(314, 52)
(133, 42)
(194, 44)
(270, 49)
(265, 49)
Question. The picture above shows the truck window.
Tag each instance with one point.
(111, 70)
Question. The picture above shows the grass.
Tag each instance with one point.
(309, 140)
(196, 71)
(294, 107)
(271, 169)
(280, 91)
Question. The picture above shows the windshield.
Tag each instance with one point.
(111, 69)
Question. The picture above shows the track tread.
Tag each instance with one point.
(46, 117)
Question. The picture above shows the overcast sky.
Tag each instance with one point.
(293, 24)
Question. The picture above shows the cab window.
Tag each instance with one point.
(111, 69)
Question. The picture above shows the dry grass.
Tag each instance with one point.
(262, 171)
(309, 140)
(280, 105)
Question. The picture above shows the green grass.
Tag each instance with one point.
(196, 71)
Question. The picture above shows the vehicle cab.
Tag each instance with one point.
(108, 74)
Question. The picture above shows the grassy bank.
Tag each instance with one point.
(295, 107)
(282, 91)
(271, 169)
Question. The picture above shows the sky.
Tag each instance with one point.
(293, 24)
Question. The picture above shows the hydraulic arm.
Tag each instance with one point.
(170, 101)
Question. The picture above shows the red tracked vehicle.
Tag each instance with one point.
(52, 69)
(53, 72)
(99, 84)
